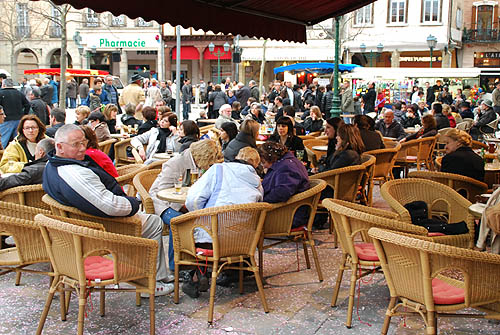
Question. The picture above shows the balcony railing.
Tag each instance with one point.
(55, 31)
(23, 31)
(481, 35)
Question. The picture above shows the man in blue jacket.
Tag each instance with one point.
(74, 179)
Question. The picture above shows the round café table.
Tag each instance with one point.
(477, 210)
(170, 195)
(162, 155)
(208, 121)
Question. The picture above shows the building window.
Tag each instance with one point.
(91, 18)
(141, 23)
(55, 26)
(118, 21)
(397, 11)
(484, 17)
(23, 26)
(431, 10)
(460, 18)
(363, 16)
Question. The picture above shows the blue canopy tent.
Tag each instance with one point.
(320, 68)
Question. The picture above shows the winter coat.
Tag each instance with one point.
(441, 121)
(218, 98)
(151, 138)
(347, 103)
(369, 100)
(341, 159)
(71, 89)
(241, 140)
(371, 139)
(31, 174)
(15, 105)
(39, 108)
(395, 129)
(311, 125)
(242, 95)
(422, 133)
(254, 93)
(17, 153)
(103, 161)
(454, 163)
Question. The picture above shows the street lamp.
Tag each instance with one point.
(336, 110)
(431, 42)
(371, 56)
(218, 54)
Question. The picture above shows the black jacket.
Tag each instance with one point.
(410, 121)
(39, 108)
(15, 105)
(51, 131)
(293, 143)
(242, 95)
(186, 142)
(369, 100)
(327, 103)
(341, 159)
(254, 93)
(371, 139)
(241, 140)
(146, 126)
(395, 129)
(441, 121)
(31, 174)
(312, 125)
(422, 133)
(47, 93)
(130, 120)
(454, 163)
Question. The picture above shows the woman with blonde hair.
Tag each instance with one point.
(314, 122)
(459, 158)
(82, 113)
(109, 113)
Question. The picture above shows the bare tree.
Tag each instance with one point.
(262, 67)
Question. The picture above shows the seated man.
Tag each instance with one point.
(32, 172)
(390, 127)
(57, 120)
(74, 179)
(225, 116)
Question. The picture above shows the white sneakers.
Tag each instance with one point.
(162, 288)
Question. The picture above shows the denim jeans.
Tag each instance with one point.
(186, 109)
(8, 130)
(71, 102)
(168, 214)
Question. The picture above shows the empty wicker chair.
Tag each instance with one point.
(416, 152)
(441, 200)
(413, 271)
(235, 231)
(312, 143)
(385, 159)
(121, 157)
(142, 183)
(352, 220)
(120, 225)
(466, 186)
(126, 174)
(72, 250)
(29, 195)
(366, 183)
(278, 224)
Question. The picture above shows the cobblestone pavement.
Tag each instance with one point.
(299, 304)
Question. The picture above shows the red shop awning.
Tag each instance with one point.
(69, 72)
(218, 48)
(273, 19)
(186, 53)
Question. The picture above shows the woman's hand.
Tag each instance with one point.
(314, 170)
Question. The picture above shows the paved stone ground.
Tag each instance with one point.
(298, 303)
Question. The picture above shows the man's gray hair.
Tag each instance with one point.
(224, 107)
(47, 145)
(252, 82)
(8, 82)
(62, 133)
(35, 90)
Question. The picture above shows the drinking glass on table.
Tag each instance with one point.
(178, 185)
(194, 176)
(299, 154)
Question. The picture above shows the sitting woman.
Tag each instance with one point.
(99, 126)
(411, 117)
(249, 131)
(372, 139)
(188, 134)
(97, 155)
(82, 113)
(256, 114)
(332, 125)
(348, 149)
(149, 115)
(22, 149)
(284, 135)
(158, 140)
(459, 158)
(228, 132)
(285, 176)
(128, 118)
(314, 122)
(447, 112)
(428, 129)
(109, 113)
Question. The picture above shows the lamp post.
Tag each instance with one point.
(431, 42)
(218, 54)
(335, 111)
(88, 54)
(371, 56)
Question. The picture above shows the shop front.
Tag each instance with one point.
(420, 59)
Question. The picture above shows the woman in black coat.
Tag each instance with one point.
(314, 122)
(189, 133)
(284, 134)
(249, 131)
(429, 129)
(348, 149)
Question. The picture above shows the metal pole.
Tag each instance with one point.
(237, 65)
(371, 58)
(335, 111)
(162, 56)
(431, 57)
(178, 73)
(218, 67)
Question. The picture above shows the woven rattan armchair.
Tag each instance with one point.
(142, 183)
(478, 145)
(466, 186)
(105, 146)
(121, 157)
(120, 225)
(156, 164)
(366, 183)
(235, 232)
(416, 152)
(413, 271)
(351, 222)
(314, 142)
(72, 251)
(441, 200)
(278, 224)
(29, 195)
(438, 162)
(126, 174)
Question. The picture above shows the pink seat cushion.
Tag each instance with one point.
(301, 228)
(97, 267)
(446, 294)
(205, 252)
(435, 234)
(366, 252)
(411, 158)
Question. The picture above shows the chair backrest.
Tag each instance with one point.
(466, 186)
(120, 225)
(280, 218)
(121, 157)
(494, 124)
(105, 146)
(126, 174)
(343, 181)
(68, 245)
(464, 125)
(156, 164)
(205, 129)
(368, 161)
(21, 211)
(307, 137)
(142, 183)
(438, 162)
(29, 195)
(235, 229)
(422, 148)
(385, 159)
(478, 145)
(314, 142)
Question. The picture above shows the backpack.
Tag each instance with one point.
(419, 214)
(94, 102)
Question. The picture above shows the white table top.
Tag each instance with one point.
(493, 140)
(477, 209)
(320, 147)
(162, 155)
(170, 195)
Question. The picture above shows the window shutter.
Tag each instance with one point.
(422, 11)
(388, 11)
(495, 17)
(474, 14)
(406, 11)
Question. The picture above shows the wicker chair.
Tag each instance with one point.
(466, 186)
(417, 152)
(478, 145)
(438, 161)
(142, 183)
(156, 164)
(385, 159)
(278, 224)
(72, 251)
(29, 195)
(118, 225)
(307, 137)
(441, 200)
(413, 270)
(366, 184)
(312, 143)
(235, 232)
(121, 157)
(352, 220)
(105, 146)
(126, 174)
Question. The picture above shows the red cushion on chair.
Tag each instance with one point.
(446, 294)
(435, 234)
(411, 158)
(97, 267)
(205, 252)
(366, 251)
(301, 228)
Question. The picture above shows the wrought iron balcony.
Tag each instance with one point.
(23, 31)
(481, 35)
